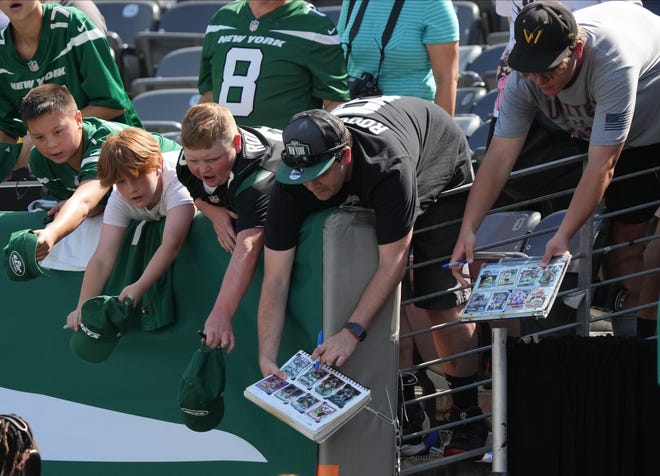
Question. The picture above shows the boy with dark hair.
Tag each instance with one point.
(64, 158)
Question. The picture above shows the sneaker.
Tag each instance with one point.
(415, 420)
(466, 437)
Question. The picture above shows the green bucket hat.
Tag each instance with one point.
(103, 321)
(202, 388)
(20, 258)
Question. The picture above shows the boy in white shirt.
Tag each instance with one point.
(145, 188)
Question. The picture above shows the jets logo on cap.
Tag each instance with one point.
(16, 263)
(89, 332)
(193, 412)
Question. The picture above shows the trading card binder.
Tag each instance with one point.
(515, 288)
(316, 403)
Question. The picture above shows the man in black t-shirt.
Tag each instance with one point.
(396, 155)
(229, 172)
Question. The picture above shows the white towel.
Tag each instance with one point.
(72, 253)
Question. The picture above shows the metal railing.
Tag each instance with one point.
(589, 279)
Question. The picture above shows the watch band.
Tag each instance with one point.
(356, 329)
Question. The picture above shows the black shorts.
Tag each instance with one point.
(637, 190)
(433, 244)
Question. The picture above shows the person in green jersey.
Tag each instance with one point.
(267, 60)
(66, 149)
(50, 43)
(146, 190)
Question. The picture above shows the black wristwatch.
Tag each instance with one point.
(356, 329)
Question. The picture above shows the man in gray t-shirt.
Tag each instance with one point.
(599, 81)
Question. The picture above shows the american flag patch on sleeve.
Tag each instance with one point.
(617, 121)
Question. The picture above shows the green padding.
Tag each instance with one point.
(142, 375)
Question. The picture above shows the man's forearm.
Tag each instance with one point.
(393, 258)
(493, 174)
(270, 323)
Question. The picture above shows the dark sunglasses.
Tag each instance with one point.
(302, 161)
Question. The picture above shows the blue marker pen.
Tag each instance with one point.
(319, 341)
(454, 264)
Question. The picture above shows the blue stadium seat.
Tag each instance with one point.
(467, 98)
(469, 22)
(485, 65)
(180, 26)
(485, 105)
(162, 110)
(466, 55)
(178, 69)
(128, 18)
(332, 11)
(502, 226)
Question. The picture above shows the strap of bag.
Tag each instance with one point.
(387, 33)
(356, 23)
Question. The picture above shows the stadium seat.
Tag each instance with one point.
(126, 19)
(467, 98)
(466, 55)
(178, 69)
(180, 26)
(479, 137)
(497, 37)
(117, 46)
(469, 22)
(485, 105)
(502, 226)
(485, 65)
(535, 245)
(477, 142)
(191, 16)
(162, 110)
(332, 11)
(468, 122)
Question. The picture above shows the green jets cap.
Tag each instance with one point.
(103, 320)
(202, 389)
(19, 256)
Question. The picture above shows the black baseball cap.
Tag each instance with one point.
(312, 140)
(544, 32)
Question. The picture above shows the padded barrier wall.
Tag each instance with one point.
(366, 444)
(121, 416)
